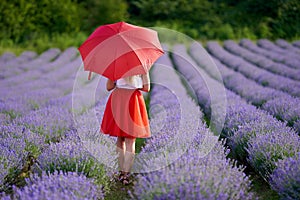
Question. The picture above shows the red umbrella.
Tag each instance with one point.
(120, 49)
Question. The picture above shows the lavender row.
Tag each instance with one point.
(266, 44)
(46, 111)
(193, 175)
(251, 71)
(254, 135)
(297, 44)
(20, 118)
(48, 134)
(69, 155)
(5, 57)
(59, 185)
(287, 46)
(26, 136)
(277, 103)
(35, 94)
(39, 68)
(81, 150)
(10, 61)
(277, 57)
(261, 61)
(286, 177)
(13, 68)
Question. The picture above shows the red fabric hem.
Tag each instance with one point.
(125, 115)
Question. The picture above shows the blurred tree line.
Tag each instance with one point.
(22, 20)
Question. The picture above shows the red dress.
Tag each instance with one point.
(125, 114)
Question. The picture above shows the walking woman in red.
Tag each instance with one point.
(125, 117)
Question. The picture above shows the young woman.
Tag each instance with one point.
(125, 117)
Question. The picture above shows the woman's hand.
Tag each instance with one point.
(145, 88)
(146, 82)
(110, 85)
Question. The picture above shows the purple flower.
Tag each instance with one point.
(51, 122)
(285, 45)
(191, 175)
(265, 150)
(262, 125)
(281, 105)
(266, 44)
(251, 71)
(284, 108)
(285, 179)
(12, 154)
(265, 139)
(261, 61)
(293, 63)
(58, 185)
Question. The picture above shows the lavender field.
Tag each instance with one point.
(50, 114)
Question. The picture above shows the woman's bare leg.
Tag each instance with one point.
(130, 145)
(121, 152)
(129, 154)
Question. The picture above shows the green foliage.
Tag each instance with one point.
(188, 17)
(41, 24)
(88, 167)
(21, 20)
(193, 10)
(265, 18)
(11, 113)
(43, 42)
(287, 24)
(222, 19)
(95, 12)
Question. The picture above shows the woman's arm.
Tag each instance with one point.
(146, 82)
(110, 85)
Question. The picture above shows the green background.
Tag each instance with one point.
(40, 24)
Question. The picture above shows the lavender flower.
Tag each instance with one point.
(11, 66)
(58, 185)
(24, 103)
(297, 125)
(45, 57)
(70, 155)
(12, 154)
(297, 43)
(268, 139)
(266, 44)
(194, 178)
(286, 177)
(261, 61)
(262, 125)
(51, 122)
(64, 58)
(101, 147)
(192, 175)
(284, 108)
(285, 45)
(267, 149)
(6, 57)
(34, 142)
(270, 54)
(277, 103)
(251, 71)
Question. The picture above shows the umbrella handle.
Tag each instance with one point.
(90, 74)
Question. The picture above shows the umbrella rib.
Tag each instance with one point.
(137, 38)
(129, 45)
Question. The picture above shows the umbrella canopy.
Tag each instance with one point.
(120, 49)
